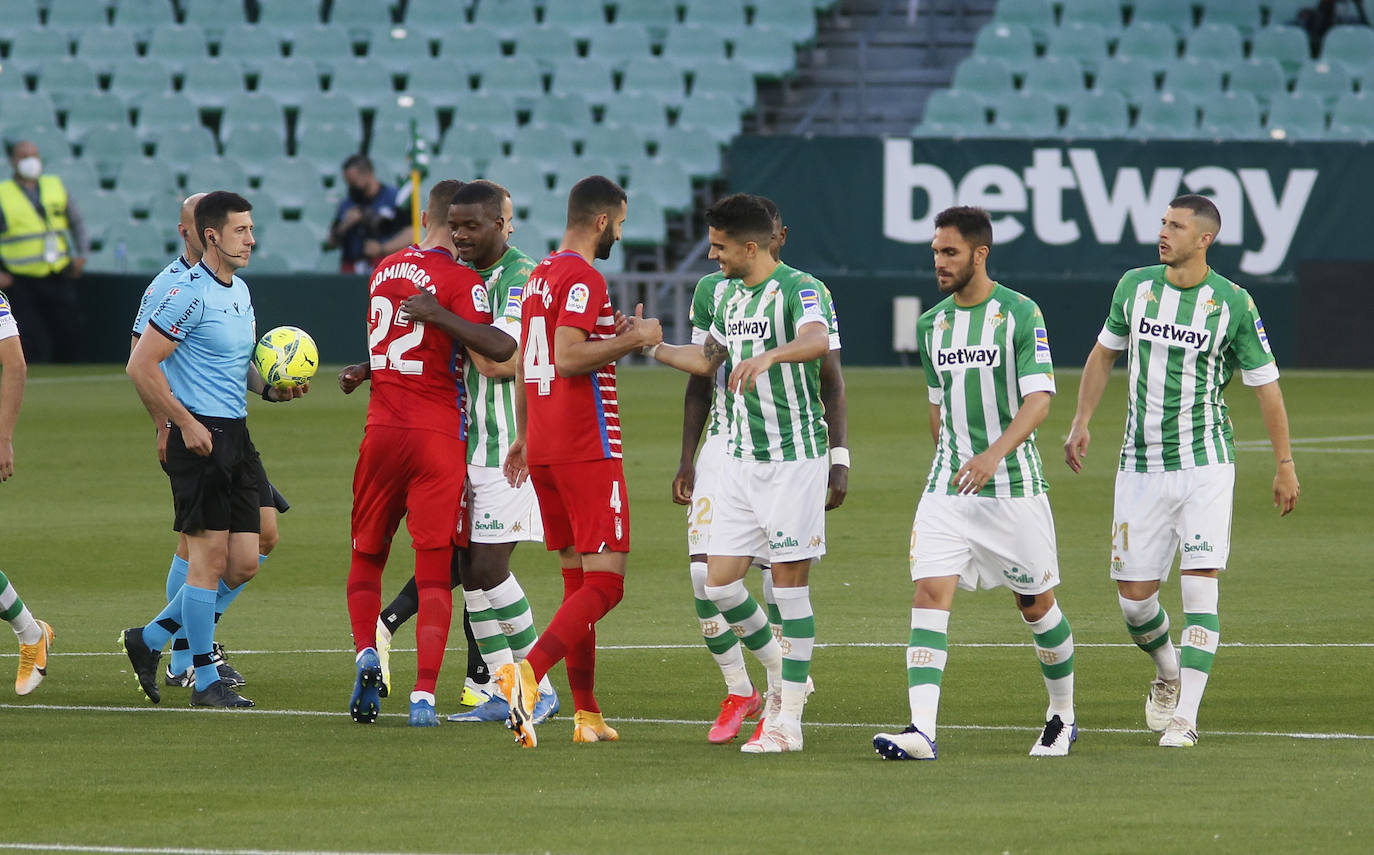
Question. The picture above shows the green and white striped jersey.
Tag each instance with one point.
(1183, 347)
(704, 301)
(781, 418)
(491, 407)
(981, 362)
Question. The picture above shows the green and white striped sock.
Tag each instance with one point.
(723, 644)
(20, 619)
(1054, 649)
(516, 620)
(741, 611)
(487, 630)
(770, 602)
(1197, 643)
(926, 653)
(1148, 625)
(798, 641)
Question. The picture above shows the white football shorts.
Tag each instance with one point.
(987, 542)
(710, 460)
(770, 511)
(500, 513)
(1158, 515)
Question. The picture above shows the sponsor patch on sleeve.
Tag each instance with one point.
(513, 301)
(4, 307)
(479, 298)
(810, 300)
(1263, 337)
(578, 296)
(1042, 346)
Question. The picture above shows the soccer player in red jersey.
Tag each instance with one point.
(568, 442)
(412, 459)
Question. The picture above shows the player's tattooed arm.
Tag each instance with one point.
(715, 352)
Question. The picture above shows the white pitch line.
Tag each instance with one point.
(688, 722)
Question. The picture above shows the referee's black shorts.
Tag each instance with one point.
(218, 492)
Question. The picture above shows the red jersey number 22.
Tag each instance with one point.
(384, 316)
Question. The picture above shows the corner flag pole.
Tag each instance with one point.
(415, 178)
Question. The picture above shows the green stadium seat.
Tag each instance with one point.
(1086, 43)
(1244, 15)
(507, 17)
(665, 180)
(204, 11)
(731, 79)
(457, 166)
(1233, 116)
(965, 129)
(360, 16)
(546, 145)
(1201, 78)
(12, 80)
(289, 15)
(427, 13)
(644, 112)
(1152, 42)
(769, 54)
(218, 173)
(326, 45)
(525, 179)
(1011, 43)
(105, 213)
(1261, 77)
(87, 109)
(727, 15)
(178, 46)
(657, 15)
(1097, 115)
(294, 185)
(77, 14)
(162, 113)
(546, 44)
(107, 49)
(75, 173)
(1284, 13)
(1035, 15)
(646, 220)
(36, 108)
(495, 110)
(1105, 15)
(698, 155)
(570, 172)
(982, 76)
(252, 45)
(474, 46)
(178, 148)
(1220, 42)
(623, 145)
(206, 82)
(1355, 110)
(1327, 80)
(140, 77)
(20, 13)
(1131, 77)
(586, 77)
(107, 146)
(266, 261)
(1173, 110)
(290, 81)
(250, 143)
(297, 241)
(144, 17)
(52, 143)
(134, 244)
(1029, 114)
(1057, 77)
(569, 110)
(1296, 117)
(439, 80)
(389, 146)
(251, 108)
(1351, 46)
(397, 49)
(1286, 44)
(65, 78)
(620, 45)
(477, 143)
(146, 178)
(32, 47)
(660, 78)
(266, 209)
(362, 80)
(1175, 13)
(401, 109)
(694, 45)
(799, 23)
(516, 77)
(952, 107)
(329, 109)
(581, 17)
(711, 115)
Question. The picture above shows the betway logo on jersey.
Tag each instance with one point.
(1173, 334)
(968, 356)
(1108, 201)
(748, 329)
(401, 270)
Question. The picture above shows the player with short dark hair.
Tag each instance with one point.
(411, 463)
(195, 372)
(568, 443)
(1187, 330)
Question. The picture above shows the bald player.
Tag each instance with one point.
(179, 670)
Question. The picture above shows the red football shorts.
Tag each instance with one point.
(584, 505)
(416, 474)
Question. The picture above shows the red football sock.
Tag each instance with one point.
(365, 597)
(436, 613)
(572, 632)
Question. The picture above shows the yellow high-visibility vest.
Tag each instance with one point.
(34, 243)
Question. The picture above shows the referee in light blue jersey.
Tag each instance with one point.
(192, 366)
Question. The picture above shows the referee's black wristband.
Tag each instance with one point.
(268, 388)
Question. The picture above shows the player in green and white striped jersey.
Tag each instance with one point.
(771, 330)
(697, 480)
(1187, 330)
(984, 519)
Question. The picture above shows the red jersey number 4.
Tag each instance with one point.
(539, 367)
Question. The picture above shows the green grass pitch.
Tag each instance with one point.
(1284, 763)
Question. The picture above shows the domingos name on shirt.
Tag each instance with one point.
(1042, 346)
